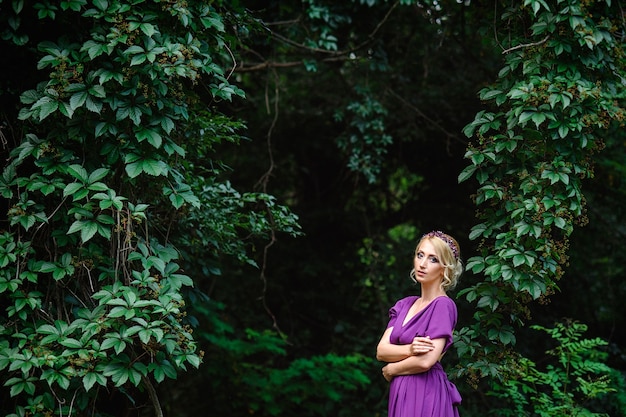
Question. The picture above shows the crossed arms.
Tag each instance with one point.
(414, 358)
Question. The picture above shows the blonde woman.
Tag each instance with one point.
(419, 332)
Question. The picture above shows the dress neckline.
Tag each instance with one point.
(408, 319)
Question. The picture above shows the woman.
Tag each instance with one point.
(420, 332)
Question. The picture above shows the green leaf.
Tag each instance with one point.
(72, 188)
(194, 360)
(102, 5)
(153, 137)
(88, 230)
(134, 49)
(78, 99)
(526, 116)
(78, 172)
(507, 336)
(46, 106)
(18, 385)
(167, 124)
(93, 48)
(98, 186)
(17, 6)
(109, 342)
(488, 301)
(93, 106)
(519, 260)
(147, 29)
(108, 75)
(466, 173)
(66, 109)
(152, 167)
(48, 267)
(213, 21)
(560, 222)
(90, 379)
(29, 97)
(97, 175)
(47, 328)
(177, 200)
(101, 129)
(71, 343)
(144, 335)
(134, 169)
(538, 118)
(97, 91)
(135, 115)
(138, 59)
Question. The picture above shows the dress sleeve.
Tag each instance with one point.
(393, 313)
(443, 320)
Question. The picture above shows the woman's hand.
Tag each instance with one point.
(387, 373)
(421, 345)
(424, 353)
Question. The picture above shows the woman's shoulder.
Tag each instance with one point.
(446, 301)
(406, 300)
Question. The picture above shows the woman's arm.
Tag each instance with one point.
(389, 352)
(415, 364)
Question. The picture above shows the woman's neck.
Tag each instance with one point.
(429, 293)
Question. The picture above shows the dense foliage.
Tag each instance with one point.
(227, 193)
(91, 284)
(575, 375)
(556, 98)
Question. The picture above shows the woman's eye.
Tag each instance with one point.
(434, 260)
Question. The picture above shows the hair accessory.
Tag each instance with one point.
(441, 235)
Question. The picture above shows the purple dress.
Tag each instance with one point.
(428, 394)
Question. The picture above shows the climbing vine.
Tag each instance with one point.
(91, 284)
(558, 94)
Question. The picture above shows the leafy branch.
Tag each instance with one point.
(530, 153)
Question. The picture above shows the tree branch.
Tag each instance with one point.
(335, 55)
(275, 64)
(370, 37)
(158, 411)
(425, 117)
(262, 183)
(526, 45)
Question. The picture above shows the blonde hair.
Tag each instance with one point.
(449, 254)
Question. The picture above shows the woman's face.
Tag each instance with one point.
(428, 267)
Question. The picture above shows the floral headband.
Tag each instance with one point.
(447, 239)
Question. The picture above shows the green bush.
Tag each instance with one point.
(573, 381)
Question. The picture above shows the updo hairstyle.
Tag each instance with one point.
(449, 254)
